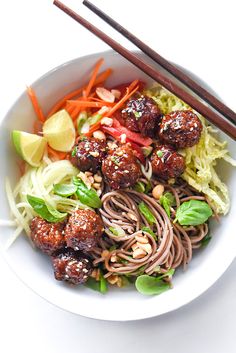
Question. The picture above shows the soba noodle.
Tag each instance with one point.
(174, 244)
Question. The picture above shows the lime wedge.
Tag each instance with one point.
(30, 147)
(59, 131)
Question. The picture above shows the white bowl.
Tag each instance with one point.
(34, 269)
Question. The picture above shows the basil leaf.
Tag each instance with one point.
(64, 190)
(146, 212)
(93, 284)
(149, 285)
(205, 241)
(139, 187)
(168, 273)
(99, 286)
(167, 200)
(193, 213)
(148, 230)
(87, 196)
(45, 211)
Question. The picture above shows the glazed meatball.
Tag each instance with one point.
(181, 128)
(83, 230)
(87, 154)
(121, 168)
(71, 266)
(141, 114)
(166, 162)
(48, 237)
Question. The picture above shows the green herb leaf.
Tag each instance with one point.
(148, 187)
(81, 120)
(147, 150)
(148, 230)
(149, 285)
(115, 160)
(167, 200)
(139, 187)
(168, 273)
(205, 241)
(99, 286)
(64, 190)
(73, 153)
(159, 154)
(94, 119)
(118, 231)
(93, 284)
(45, 211)
(103, 285)
(137, 114)
(87, 196)
(193, 212)
(146, 212)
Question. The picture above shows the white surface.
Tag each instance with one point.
(35, 37)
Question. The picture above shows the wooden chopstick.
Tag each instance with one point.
(221, 122)
(180, 75)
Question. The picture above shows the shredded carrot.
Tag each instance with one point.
(93, 77)
(37, 127)
(93, 128)
(21, 166)
(75, 112)
(87, 104)
(128, 94)
(56, 154)
(100, 79)
(35, 103)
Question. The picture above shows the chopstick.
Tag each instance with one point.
(221, 122)
(177, 73)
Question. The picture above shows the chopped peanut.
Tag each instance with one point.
(157, 191)
(107, 121)
(97, 186)
(141, 239)
(105, 253)
(97, 178)
(112, 279)
(105, 95)
(99, 135)
(139, 253)
(146, 247)
(132, 216)
(116, 93)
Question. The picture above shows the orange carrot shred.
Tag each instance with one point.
(35, 103)
(59, 104)
(93, 128)
(37, 127)
(128, 94)
(56, 154)
(87, 104)
(93, 77)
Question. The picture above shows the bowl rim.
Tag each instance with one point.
(172, 307)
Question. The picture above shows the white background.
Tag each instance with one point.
(35, 37)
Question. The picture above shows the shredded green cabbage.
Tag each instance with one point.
(39, 182)
(202, 158)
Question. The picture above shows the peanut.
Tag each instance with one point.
(157, 191)
(99, 135)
